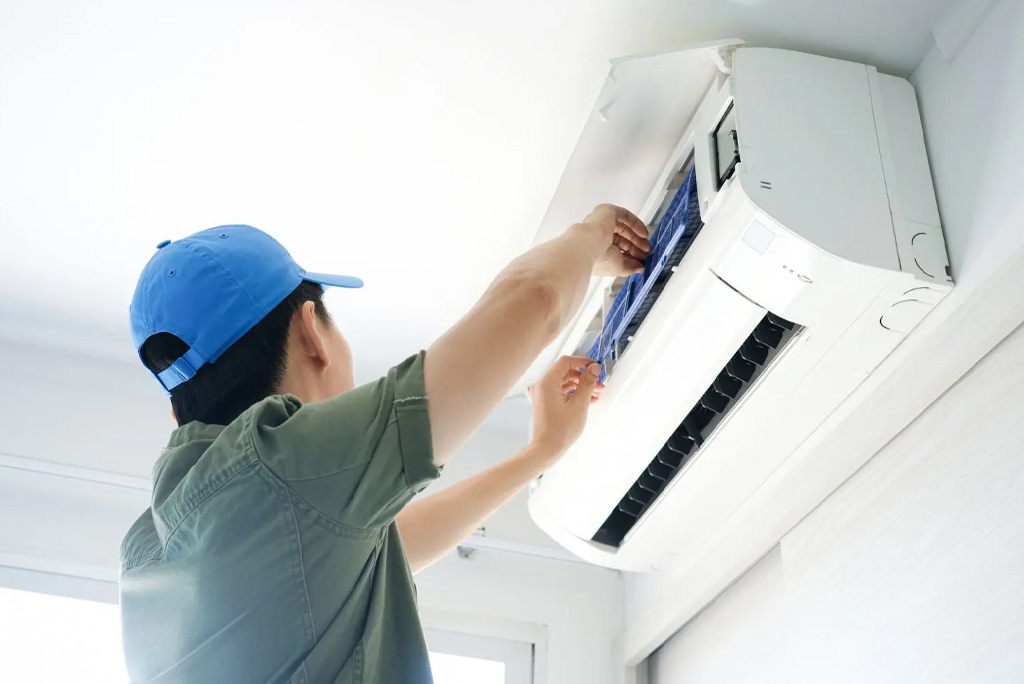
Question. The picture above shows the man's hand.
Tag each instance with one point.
(626, 236)
(434, 525)
(561, 400)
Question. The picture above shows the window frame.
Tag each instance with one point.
(521, 646)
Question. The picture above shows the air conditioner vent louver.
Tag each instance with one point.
(754, 355)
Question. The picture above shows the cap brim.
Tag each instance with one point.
(334, 280)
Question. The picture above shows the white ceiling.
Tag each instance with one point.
(415, 144)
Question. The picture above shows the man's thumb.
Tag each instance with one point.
(588, 379)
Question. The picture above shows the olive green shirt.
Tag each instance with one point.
(270, 552)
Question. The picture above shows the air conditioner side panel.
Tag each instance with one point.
(915, 212)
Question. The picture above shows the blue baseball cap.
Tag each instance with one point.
(211, 288)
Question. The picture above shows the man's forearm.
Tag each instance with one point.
(473, 366)
(433, 526)
(564, 265)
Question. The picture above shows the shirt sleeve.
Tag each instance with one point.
(357, 458)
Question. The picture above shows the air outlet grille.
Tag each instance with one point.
(748, 363)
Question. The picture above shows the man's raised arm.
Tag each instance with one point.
(473, 366)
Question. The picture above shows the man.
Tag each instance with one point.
(279, 546)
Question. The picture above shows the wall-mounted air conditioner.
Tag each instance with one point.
(796, 243)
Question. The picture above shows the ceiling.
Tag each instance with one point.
(415, 144)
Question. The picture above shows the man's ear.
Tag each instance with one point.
(308, 333)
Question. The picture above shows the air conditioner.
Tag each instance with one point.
(797, 243)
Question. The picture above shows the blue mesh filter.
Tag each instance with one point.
(671, 239)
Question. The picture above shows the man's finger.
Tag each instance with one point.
(628, 248)
(585, 388)
(574, 377)
(562, 368)
(632, 228)
(574, 385)
(631, 265)
(574, 374)
(628, 237)
(633, 222)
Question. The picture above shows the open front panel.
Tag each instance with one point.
(640, 113)
(749, 362)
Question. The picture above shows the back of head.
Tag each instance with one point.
(211, 316)
(249, 371)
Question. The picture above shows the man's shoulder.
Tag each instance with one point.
(199, 461)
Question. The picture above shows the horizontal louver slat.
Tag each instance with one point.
(754, 354)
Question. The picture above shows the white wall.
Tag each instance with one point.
(78, 410)
(971, 103)
(573, 611)
(78, 438)
(910, 572)
(740, 638)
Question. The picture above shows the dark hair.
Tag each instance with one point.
(249, 371)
